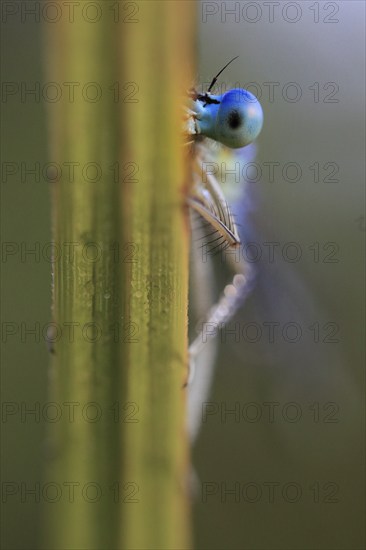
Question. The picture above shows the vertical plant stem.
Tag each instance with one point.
(120, 277)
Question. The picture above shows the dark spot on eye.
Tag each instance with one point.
(234, 119)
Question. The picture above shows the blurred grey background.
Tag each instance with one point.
(293, 453)
(299, 406)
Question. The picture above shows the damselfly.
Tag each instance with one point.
(233, 119)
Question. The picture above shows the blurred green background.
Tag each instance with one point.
(316, 444)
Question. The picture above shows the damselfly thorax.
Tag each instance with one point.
(233, 119)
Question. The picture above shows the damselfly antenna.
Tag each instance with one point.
(218, 74)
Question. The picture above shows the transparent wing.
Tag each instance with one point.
(208, 200)
(209, 311)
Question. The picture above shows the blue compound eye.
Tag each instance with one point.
(234, 119)
(239, 118)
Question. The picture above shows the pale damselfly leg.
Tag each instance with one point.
(233, 119)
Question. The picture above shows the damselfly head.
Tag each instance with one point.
(234, 118)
